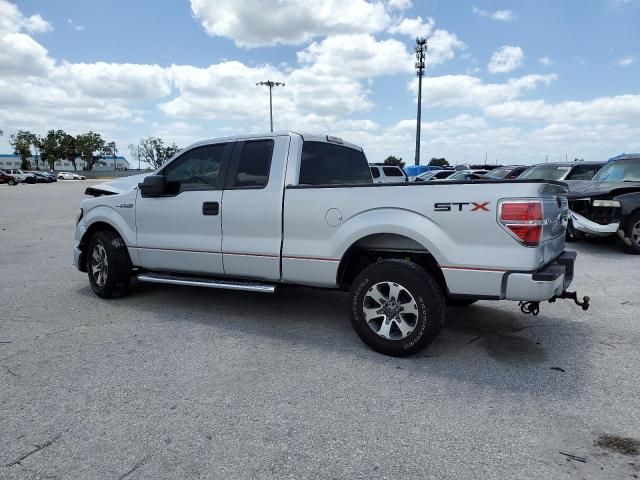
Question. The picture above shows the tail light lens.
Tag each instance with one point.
(523, 220)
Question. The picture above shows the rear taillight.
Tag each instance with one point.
(522, 219)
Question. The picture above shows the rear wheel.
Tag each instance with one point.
(397, 308)
(12, 182)
(632, 233)
(108, 265)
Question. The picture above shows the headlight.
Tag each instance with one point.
(79, 214)
(606, 203)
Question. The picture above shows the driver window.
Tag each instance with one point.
(197, 169)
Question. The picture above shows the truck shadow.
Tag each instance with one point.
(484, 343)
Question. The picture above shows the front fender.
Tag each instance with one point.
(110, 216)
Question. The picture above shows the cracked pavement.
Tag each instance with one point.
(177, 382)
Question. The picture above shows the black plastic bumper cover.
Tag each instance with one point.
(563, 265)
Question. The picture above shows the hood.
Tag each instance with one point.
(113, 187)
(588, 188)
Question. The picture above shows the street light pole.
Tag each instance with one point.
(271, 84)
(421, 51)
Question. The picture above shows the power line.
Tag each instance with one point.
(271, 84)
(421, 51)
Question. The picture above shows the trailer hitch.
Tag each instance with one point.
(533, 308)
(573, 296)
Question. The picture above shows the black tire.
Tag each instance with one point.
(631, 243)
(460, 302)
(117, 274)
(427, 301)
(12, 182)
(572, 234)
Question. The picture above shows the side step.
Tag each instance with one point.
(206, 282)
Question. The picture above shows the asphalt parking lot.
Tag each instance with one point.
(177, 382)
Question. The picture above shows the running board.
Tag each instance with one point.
(206, 282)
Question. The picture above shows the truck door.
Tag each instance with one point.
(181, 230)
(252, 212)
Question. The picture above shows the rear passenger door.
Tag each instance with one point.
(252, 210)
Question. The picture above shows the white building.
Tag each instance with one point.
(105, 164)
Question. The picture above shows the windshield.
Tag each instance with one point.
(498, 173)
(460, 175)
(545, 172)
(427, 175)
(619, 171)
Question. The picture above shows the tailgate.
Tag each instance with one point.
(556, 215)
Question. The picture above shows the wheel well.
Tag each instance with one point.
(384, 246)
(84, 242)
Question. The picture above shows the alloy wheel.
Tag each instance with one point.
(390, 310)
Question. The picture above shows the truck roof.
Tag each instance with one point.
(306, 136)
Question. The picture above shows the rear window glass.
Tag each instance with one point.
(392, 172)
(583, 172)
(545, 172)
(328, 164)
(375, 172)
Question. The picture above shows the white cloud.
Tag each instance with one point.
(253, 23)
(399, 4)
(442, 46)
(76, 26)
(12, 20)
(413, 27)
(626, 61)
(465, 91)
(500, 15)
(599, 110)
(21, 55)
(506, 59)
(356, 56)
(546, 61)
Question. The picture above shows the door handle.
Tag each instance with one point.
(210, 208)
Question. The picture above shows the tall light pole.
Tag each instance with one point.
(421, 52)
(271, 84)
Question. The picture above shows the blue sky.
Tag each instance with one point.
(515, 80)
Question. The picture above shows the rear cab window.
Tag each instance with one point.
(329, 164)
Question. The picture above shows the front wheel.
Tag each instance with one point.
(12, 182)
(108, 265)
(632, 233)
(397, 308)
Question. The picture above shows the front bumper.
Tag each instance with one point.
(551, 280)
(585, 225)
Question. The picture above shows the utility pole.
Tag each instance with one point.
(421, 52)
(271, 84)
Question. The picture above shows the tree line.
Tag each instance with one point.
(90, 147)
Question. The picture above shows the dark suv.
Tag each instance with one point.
(562, 171)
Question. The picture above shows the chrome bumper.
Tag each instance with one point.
(585, 225)
(543, 284)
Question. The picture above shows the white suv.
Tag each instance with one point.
(387, 174)
(21, 176)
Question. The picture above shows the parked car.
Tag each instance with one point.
(303, 210)
(51, 175)
(387, 174)
(505, 173)
(70, 176)
(609, 204)
(413, 171)
(562, 171)
(434, 175)
(21, 176)
(465, 175)
(41, 177)
(8, 179)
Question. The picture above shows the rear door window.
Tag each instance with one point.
(375, 172)
(252, 168)
(392, 172)
(329, 164)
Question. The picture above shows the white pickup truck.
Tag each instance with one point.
(258, 211)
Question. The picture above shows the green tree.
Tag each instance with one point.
(90, 147)
(68, 147)
(21, 143)
(110, 150)
(154, 151)
(391, 160)
(438, 162)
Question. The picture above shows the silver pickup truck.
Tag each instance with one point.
(258, 211)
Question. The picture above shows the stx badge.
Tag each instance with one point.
(453, 206)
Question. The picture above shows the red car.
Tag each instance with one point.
(6, 178)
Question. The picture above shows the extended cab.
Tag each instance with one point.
(258, 211)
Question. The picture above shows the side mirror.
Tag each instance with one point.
(153, 185)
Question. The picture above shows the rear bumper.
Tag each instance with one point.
(585, 225)
(551, 280)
